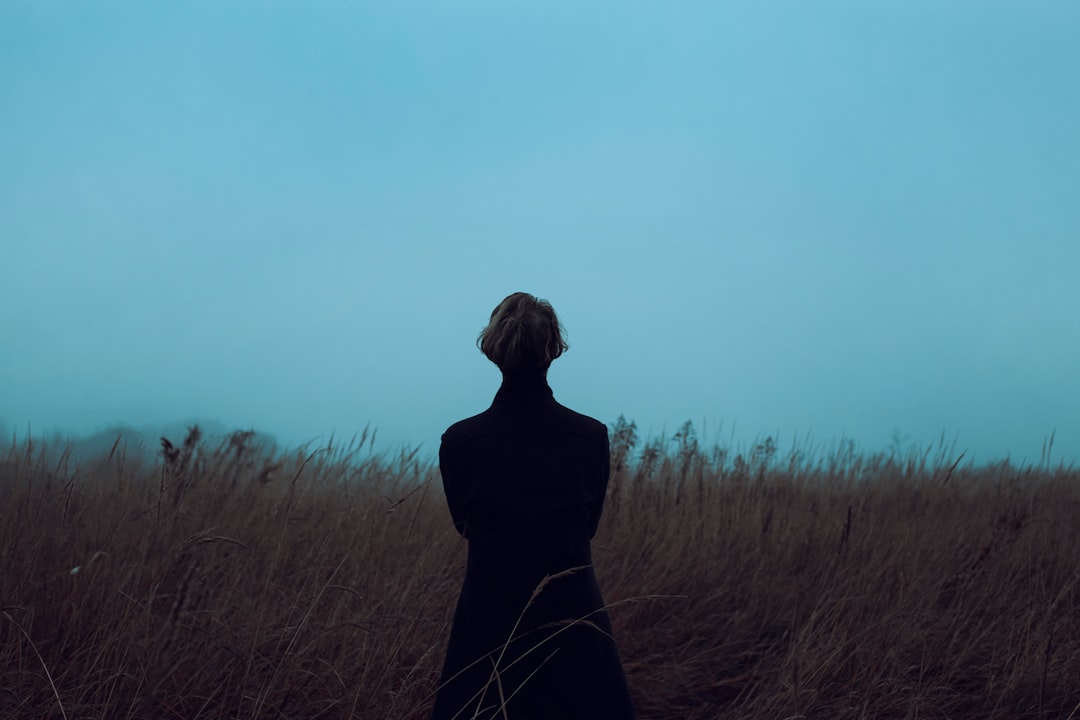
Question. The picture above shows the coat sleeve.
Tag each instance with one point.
(596, 507)
(451, 487)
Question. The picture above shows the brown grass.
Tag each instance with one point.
(239, 583)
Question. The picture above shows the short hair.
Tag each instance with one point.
(523, 335)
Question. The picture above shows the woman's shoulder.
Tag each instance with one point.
(583, 424)
(556, 418)
(464, 429)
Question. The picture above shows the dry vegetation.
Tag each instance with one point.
(239, 583)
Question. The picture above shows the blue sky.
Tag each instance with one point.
(812, 220)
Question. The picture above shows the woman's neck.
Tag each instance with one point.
(523, 382)
(525, 378)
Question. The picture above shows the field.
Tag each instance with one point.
(236, 581)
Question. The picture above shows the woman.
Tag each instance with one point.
(525, 482)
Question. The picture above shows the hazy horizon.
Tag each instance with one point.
(213, 433)
(806, 222)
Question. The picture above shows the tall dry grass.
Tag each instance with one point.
(239, 582)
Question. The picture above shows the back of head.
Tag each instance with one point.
(523, 335)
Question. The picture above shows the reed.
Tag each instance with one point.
(242, 581)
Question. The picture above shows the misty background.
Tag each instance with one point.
(812, 221)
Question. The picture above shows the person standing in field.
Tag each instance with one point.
(525, 482)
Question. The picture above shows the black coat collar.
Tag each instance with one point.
(516, 388)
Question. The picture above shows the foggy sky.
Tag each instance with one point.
(807, 220)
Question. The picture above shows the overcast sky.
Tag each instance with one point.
(808, 220)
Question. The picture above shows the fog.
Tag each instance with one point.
(811, 222)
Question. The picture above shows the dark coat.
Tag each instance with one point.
(525, 481)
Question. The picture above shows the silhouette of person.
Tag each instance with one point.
(525, 483)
